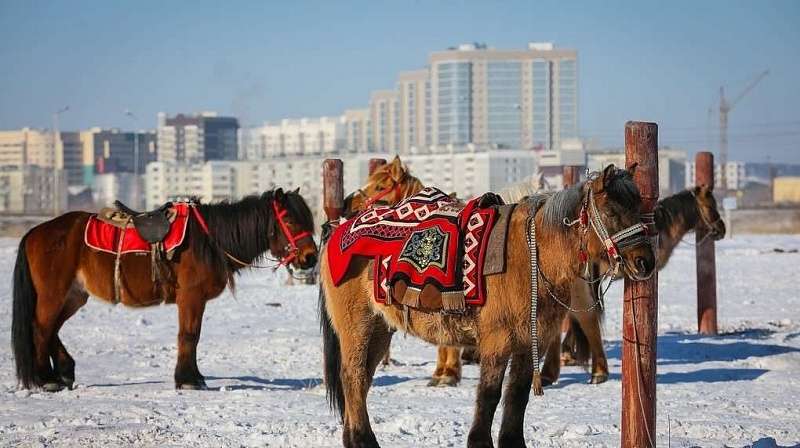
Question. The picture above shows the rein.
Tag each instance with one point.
(292, 239)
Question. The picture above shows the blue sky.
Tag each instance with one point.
(658, 61)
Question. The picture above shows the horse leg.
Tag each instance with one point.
(63, 364)
(590, 324)
(493, 367)
(190, 317)
(357, 366)
(517, 393)
(441, 360)
(552, 359)
(387, 358)
(48, 309)
(451, 375)
(568, 345)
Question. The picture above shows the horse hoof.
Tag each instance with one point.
(190, 386)
(568, 360)
(599, 378)
(433, 382)
(68, 382)
(547, 382)
(52, 387)
(450, 381)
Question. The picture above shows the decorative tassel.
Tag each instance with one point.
(453, 301)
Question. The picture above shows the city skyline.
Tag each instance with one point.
(324, 70)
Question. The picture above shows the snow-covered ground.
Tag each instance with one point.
(260, 352)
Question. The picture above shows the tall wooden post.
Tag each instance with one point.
(640, 304)
(332, 188)
(374, 164)
(570, 175)
(705, 255)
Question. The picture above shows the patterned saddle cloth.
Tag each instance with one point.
(428, 251)
(105, 237)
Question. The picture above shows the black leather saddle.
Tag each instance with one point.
(153, 225)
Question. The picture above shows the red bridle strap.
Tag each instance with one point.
(291, 238)
(200, 219)
(381, 194)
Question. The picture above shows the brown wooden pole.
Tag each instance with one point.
(332, 188)
(374, 164)
(705, 261)
(570, 175)
(640, 304)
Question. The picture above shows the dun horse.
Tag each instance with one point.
(356, 329)
(388, 185)
(675, 216)
(56, 271)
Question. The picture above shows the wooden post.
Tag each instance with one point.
(640, 304)
(374, 164)
(332, 188)
(705, 255)
(570, 175)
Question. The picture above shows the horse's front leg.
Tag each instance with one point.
(493, 367)
(190, 319)
(517, 393)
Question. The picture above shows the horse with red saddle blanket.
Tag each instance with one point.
(384, 269)
(184, 253)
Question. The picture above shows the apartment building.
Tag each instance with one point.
(197, 138)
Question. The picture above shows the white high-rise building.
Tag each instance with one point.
(295, 137)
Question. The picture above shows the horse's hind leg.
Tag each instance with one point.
(191, 306)
(63, 363)
(362, 348)
(552, 360)
(48, 310)
(590, 324)
(493, 367)
(516, 400)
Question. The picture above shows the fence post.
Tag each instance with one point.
(570, 175)
(640, 304)
(374, 164)
(332, 188)
(705, 255)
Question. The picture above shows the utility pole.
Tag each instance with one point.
(136, 203)
(724, 109)
(56, 186)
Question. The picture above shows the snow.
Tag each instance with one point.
(260, 352)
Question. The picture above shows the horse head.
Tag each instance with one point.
(708, 213)
(611, 210)
(387, 185)
(291, 237)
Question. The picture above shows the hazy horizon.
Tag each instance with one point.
(646, 60)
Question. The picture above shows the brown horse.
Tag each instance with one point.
(675, 216)
(56, 271)
(388, 185)
(356, 329)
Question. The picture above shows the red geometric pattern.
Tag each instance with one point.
(104, 237)
(386, 234)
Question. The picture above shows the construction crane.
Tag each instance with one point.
(724, 108)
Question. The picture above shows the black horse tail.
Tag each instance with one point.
(23, 312)
(332, 358)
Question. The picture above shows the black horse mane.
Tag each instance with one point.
(563, 204)
(243, 229)
(679, 206)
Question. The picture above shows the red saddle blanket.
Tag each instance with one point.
(104, 237)
(427, 241)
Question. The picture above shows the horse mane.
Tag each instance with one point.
(672, 209)
(562, 204)
(239, 227)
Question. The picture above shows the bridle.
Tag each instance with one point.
(291, 248)
(710, 224)
(371, 200)
(629, 237)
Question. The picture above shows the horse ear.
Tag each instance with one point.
(396, 169)
(608, 174)
(279, 194)
(296, 190)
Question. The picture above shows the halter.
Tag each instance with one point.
(710, 224)
(372, 200)
(291, 238)
(589, 217)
